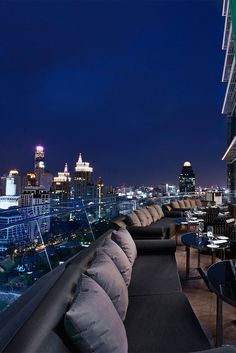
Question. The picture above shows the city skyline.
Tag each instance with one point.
(135, 86)
(79, 161)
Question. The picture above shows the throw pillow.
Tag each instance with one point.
(106, 274)
(133, 220)
(142, 217)
(174, 204)
(119, 258)
(148, 215)
(192, 203)
(181, 204)
(187, 204)
(198, 203)
(159, 210)
(154, 213)
(123, 238)
(92, 323)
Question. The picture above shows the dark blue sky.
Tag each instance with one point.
(133, 85)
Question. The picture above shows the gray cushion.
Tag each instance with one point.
(123, 238)
(142, 217)
(159, 210)
(154, 213)
(174, 204)
(158, 272)
(163, 323)
(192, 203)
(149, 216)
(187, 204)
(181, 203)
(198, 203)
(168, 207)
(106, 274)
(92, 322)
(119, 258)
(133, 220)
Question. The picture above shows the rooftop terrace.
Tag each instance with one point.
(33, 243)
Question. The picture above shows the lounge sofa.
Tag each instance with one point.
(147, 222)
(69, 310)
(177, 208)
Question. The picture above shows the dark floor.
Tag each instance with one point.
(202, 300)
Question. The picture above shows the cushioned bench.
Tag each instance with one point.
(146, 223)
(72, 310)
(177, 208)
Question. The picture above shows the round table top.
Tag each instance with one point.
(222, 280)
(194, 241)
(186, 221)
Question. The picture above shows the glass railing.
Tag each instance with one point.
(36, 239)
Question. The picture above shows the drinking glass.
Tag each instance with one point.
(210, 235)
(188, 215)
(200, 228)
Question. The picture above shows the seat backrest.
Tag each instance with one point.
(40, 322)
(118, 222)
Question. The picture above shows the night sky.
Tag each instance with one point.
(133, 85)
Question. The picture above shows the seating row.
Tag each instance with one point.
(115, 296)
(178, 207)
(146, 222)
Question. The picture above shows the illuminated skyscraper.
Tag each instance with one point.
(44, 179)
(83, 180)
(61, 186)
(30, 180)
(229, 76)
(17, 180)
(187, 178)
(12, 190)
(39, 165)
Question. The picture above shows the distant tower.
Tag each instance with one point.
(100, 187)
(100, 194)
(39, 165)
(61, 185)
(11, 194)
(30, 180)
(83, 181)
(17, 180)
(187, 178)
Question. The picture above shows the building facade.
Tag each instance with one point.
(187, 181)
(84, 187)
(12, 190)
(12, 236)
(39, 163)
(35, 203)
(62, 186)
(229, 77)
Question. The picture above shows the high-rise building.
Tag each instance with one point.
(187, 178)
(30, 180)
(100, 188)
(61, 186)
(83, 180)
(229, 75)
(36, 202)
(17, 180)
(15, 235)
(41, 177)
(12, 190)
(39, 164)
